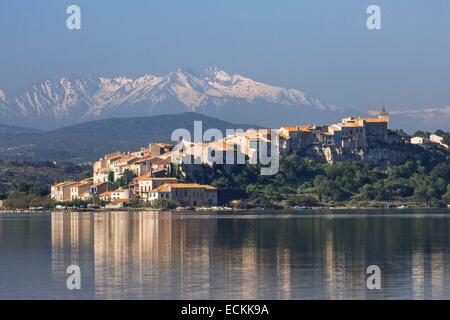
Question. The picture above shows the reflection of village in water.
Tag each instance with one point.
(151, 255)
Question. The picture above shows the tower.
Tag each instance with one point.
(384, 115)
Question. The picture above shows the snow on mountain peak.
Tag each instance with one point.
(86, 97)
(216, 74)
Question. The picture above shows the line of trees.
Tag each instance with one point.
(302, 181)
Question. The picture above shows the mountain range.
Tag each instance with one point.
(69, 100)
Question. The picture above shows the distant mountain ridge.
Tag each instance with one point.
(86, 142)
(7, 129)
(69, 100)
(74, 99)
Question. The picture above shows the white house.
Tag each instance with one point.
(146, 183)
(121, 195)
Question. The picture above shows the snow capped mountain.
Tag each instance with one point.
(68, 100)
(213, 92)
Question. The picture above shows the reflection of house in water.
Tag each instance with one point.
(428, 270)
(249, 274)
(129, 250)
(284, 273)
(145, 254)
(72, 237)
(345, 276)
(151, 249)
(162, 255)
(438, 274)
(418, 273)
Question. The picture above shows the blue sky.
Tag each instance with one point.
(321, 47)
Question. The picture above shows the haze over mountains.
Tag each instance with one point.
(70, 100)
(420, 119)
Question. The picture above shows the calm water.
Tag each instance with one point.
(220, 256)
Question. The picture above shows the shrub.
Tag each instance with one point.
(165, 204)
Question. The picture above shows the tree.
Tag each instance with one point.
(126, 179)
(111, 176)
(327, 189)
(18, 200)
(165, 204)
(428, 189)
(422, 134)
(301, 200)
(446, 196)
(376, 191)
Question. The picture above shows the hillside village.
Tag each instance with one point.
(148, 176)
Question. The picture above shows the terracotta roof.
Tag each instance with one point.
(163, 161)
(80, 184)
(335, 127)
(283, 135)
(64, 183)
(290, 129)
(168, 187)
(126, 158)
(165, 145)
(298, 128)
(163, 188)
(352, 124)
(373, 119)
(146, 178)
(106, 194)
(149, 157)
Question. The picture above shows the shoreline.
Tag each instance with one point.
(214, 211)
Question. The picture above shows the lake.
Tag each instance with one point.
(268, 255)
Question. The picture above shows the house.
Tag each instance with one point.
(420, 140)
(353, 134)
(61, 191)
(146, 183)
(376, 129)
(336, 133)
(439, 140)
(185, 194)
(121, 195)
(77, 190)
(1, 203)
(161, 163)
(326, 139)
(102, 167)
(102, 175)
(101, 187)
(296, 139)
(160, 148)
(105, 196)
(87, 196)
